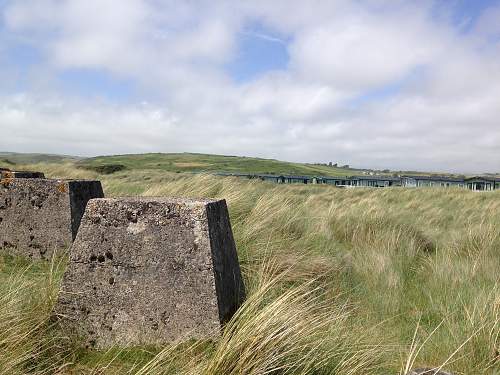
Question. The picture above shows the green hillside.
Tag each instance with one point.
(185, 162)
(11, 159)
(188, 163)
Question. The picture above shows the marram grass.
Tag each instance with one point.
(340, 281)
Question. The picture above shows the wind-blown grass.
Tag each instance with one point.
(290, 331)
(364, 281)
(28, 341)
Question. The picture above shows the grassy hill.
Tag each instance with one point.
(186, 162)
(189, 163)
(11, 159)
(339, 281)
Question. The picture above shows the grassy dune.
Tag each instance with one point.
(340, 281)
(186, 162)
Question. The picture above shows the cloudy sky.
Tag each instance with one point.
(373, 83)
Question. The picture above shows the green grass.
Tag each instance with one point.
(340, 281)
(13, 159)
(211, 163)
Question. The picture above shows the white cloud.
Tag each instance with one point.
(326, 104)
(360, 53)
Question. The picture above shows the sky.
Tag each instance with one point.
(411, 85)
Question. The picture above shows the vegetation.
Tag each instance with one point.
(105, 168)
(211, 163)
(340, 281)
(12, 159)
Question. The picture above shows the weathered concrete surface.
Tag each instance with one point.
(150, 271)
(428, 371)
(8, 174)
(39, 216)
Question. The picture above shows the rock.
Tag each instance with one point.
(8, 174)
(428, 371)
(149, 271)
(39, 216)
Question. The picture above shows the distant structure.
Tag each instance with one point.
(480, 183)
(432, 181)
(477, 183)
(150, 271)
(39, 216)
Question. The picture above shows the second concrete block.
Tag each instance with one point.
(40, 216)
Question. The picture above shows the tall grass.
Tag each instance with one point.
(28, 340)
(364, 281)
(284, 331)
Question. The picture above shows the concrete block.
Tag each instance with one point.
(39, 216)
(150, 271)
(8, 174)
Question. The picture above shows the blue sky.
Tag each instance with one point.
(259, 51)
(468, 10)
(305, 81)
(95, 83)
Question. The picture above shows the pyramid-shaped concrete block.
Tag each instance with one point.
(40, 216)
(150, 271)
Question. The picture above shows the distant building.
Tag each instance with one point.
(270, 177)
(431, 181)
(375, 181)
(477, 183)
(297, 179)
(480, 183)
(336, 181)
